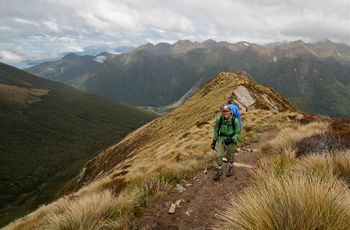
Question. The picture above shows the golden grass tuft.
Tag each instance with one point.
(275, 165)
(336, 164)
(89, 212)
(341, 165)
(100, 210)
(289, 202)
(258, 121)
(286, 192)
(31, 221)
(315, 165)
(288, 137)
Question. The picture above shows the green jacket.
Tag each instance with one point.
(229, 127)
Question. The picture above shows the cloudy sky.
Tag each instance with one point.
(41, 29)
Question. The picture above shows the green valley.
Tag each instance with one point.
(48, 131)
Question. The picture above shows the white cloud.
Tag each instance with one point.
(9, 57)
(5, 28)
(100, 59)
(24, 21)
(51, 25)
(45, 28)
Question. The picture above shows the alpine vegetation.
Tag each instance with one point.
(290, 202)
(308, 192)
(154, 158)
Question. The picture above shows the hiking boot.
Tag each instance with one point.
(218, 174)
(230, 170)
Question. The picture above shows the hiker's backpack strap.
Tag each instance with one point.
(232, 124)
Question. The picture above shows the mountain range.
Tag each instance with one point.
(315, 77)
(48, 131)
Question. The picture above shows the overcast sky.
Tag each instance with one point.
(41, 29)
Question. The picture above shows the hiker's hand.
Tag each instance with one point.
(228, 140)
(213, 145)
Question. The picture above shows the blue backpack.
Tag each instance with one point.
(235, 112)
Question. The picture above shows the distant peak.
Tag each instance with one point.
(71, 55)
(183, 42)
(162, 44)
(299, 42)
(146, 45)
(104, 54)
(326, 41)
(209, 41)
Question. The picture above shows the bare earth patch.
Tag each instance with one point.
(15, 95)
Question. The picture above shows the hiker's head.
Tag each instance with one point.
(229, 99)
(226, 112)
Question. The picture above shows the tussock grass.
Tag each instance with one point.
(31, 221)
(104, 208)
(315, 166)
(274, 165)
(100, 210)
(289, 202)
(336, 164)
(86, 213)
(331, 165)
(258, 121)
(341, 165)
(288, 137)
(311, 192)
(155, 185)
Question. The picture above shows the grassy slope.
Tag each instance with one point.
(150, 158)
(308, 192)
(45, 144)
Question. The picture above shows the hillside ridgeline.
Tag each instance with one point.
(121, 179)
(315, 77)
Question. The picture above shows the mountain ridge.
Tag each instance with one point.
(168, 146)
(152, 75)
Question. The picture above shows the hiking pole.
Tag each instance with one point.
(208, 161)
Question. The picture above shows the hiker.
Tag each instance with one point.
(234, 109)
(226, 134)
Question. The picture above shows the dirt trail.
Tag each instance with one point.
(203, 197)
